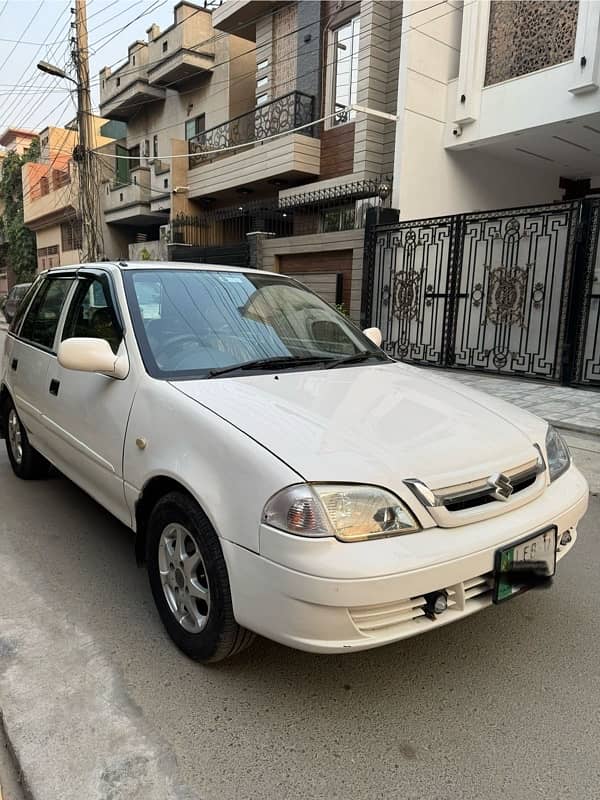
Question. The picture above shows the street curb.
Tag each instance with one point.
(571, 426)
(22, 778)
(62, 699)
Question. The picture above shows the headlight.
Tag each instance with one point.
(350, 513)
(557, 454)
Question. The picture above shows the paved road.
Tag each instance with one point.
(504, 704)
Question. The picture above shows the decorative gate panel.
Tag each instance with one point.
(410, 287)
(513, 290)
(587, 299)
(505, 291)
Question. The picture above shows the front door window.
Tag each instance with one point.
(92, 314)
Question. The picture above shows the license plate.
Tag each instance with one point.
(524, 564)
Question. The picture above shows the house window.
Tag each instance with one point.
(133, 60)
(48, 257)
(118, 81)
(165, 46)
(262, 64)
(155, 146)
(195, 126)
(345, 69)
(340, 218)
(44, 186)
(262, 99)
(261, 82)
(146, 148)
(166, 183)
(71, 235)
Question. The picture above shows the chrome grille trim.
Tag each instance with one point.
(473, 489)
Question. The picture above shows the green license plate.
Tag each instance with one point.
(524, 564)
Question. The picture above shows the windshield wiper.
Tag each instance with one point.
(268, 363)
(356, 358)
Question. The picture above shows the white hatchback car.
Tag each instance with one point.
(282, 475)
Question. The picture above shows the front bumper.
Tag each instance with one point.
(355, 602)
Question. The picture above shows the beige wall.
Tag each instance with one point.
(428, 179)
(213, 96)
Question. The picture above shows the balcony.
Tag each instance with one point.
(125, 91)
(182, 51)
(51, 194)
(255, 157)
(239, 16)
(130, 204)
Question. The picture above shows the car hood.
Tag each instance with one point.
(375, 424)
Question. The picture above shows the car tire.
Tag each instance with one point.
(189, 581)
(25, 460)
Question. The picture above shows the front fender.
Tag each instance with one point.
(230, 475)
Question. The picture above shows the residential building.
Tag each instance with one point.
(51, 198)
(172, 86)
(280, 167)
(494, 262)
(12, 140)
(498, 105)
(317, 59)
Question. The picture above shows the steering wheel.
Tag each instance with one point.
(171, 348)
(231, 345)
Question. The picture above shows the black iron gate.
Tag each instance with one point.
(515, 291)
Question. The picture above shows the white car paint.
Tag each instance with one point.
(235, 442)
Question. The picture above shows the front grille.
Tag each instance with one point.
(485, 497)
(519, 484)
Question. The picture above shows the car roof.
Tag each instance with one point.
(123, 266)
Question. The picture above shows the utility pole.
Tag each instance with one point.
(88, 183)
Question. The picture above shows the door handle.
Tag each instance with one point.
(14, 364)
(54, 387)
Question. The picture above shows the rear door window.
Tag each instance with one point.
(23, 304)
(40, 324)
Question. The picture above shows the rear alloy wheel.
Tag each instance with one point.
(25, 460)
(189, 581)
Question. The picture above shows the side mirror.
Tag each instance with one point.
(92, 355)
(374, 334)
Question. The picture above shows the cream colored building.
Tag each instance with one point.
(173, 85)
(51, 199)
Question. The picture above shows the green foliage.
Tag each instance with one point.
(342, 309)
(20, 241)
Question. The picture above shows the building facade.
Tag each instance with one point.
(171, 87)
(51, 198)
(12, 140)
(498, 105)
(242, 141)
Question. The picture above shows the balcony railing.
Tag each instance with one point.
(281, 115)
(339, 208)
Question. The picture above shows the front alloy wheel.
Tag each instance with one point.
(183, 577)
(189, 580)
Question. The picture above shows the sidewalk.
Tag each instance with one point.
(563, 406)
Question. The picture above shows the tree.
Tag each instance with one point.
(20, 241)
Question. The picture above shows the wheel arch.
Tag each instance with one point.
(156, 487)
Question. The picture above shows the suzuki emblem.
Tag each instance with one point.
(501, 485)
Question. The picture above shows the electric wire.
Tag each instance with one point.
(29, 24)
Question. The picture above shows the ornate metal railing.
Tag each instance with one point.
(283, 114)
(337, 208)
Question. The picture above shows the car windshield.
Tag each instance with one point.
(200, 323)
